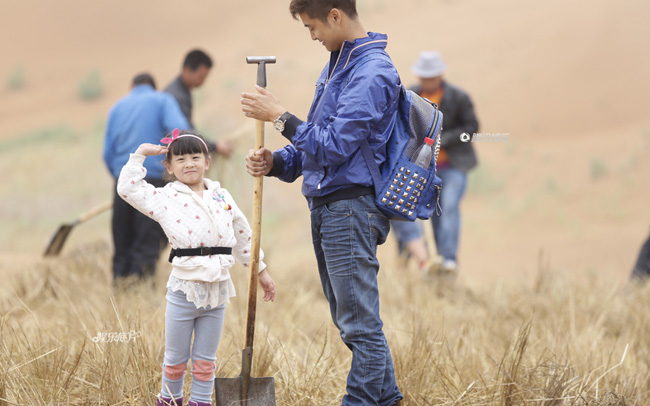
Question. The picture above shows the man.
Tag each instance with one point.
(356, 99)
(456, 158)
(144, 115)
(195, 70)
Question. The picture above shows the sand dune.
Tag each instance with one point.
(566, 79)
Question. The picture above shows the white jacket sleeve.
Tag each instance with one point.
(132, 187)
(243, 235)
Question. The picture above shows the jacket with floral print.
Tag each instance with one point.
(191, 221)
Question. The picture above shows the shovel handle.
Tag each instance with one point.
(94, 211)
(256, 227)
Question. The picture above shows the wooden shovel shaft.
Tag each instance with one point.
(94, 211)
(256, 227)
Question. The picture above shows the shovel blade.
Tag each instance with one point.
(57, 240)
(228, 391)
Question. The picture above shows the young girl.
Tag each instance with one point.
(206, 230)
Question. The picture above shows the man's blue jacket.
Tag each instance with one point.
(144, 115)
(356, 99)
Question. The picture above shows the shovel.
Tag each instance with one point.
(58, 239)
(245, 390)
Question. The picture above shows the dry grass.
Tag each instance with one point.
(558, 340)
(552, 342)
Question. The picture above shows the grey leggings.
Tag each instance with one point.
(181, 319)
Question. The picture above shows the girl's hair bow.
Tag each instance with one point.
(168, 140)
(177, 134)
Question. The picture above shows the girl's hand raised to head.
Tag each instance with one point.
(151, 149)
(267, 285)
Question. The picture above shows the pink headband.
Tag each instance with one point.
(175, 136)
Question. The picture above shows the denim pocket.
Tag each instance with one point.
(379, 227)
(339, 207)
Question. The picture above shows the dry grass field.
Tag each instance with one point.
(552, 220)
(547, 342)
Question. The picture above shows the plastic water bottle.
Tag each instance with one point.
(424, 154)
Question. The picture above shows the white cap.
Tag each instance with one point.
(429, 65)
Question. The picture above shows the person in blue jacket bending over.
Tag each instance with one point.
(356, 99)
(144, 115)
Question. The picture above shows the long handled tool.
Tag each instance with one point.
(58, 239)
(245, 390)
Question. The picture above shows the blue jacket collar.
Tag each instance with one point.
(351, 51)
(142, 88)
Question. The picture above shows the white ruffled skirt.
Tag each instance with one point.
(203, 294)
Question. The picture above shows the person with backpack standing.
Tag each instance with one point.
(457, 157)
(356, 99)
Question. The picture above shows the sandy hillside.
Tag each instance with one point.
(567, 80)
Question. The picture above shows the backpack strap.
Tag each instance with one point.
(372, 165)
(368, 156)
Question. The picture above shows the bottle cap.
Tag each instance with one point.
(428, 141)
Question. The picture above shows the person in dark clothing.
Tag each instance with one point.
(196, 67)
(144, 115)
(457, 157)
(641, 271)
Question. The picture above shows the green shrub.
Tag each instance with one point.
(91, 87)
(598, 168)
(16, 79)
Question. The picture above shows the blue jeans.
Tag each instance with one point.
(346, 234)
(446, 228)
(406, 231)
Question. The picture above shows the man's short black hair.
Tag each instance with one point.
(144, 79)
(196, 58)
(321, 8)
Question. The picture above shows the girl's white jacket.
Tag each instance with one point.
(191, 221)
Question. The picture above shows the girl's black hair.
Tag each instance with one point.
(186, 145)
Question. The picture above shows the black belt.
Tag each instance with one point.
(201, 251)
(342, 194)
